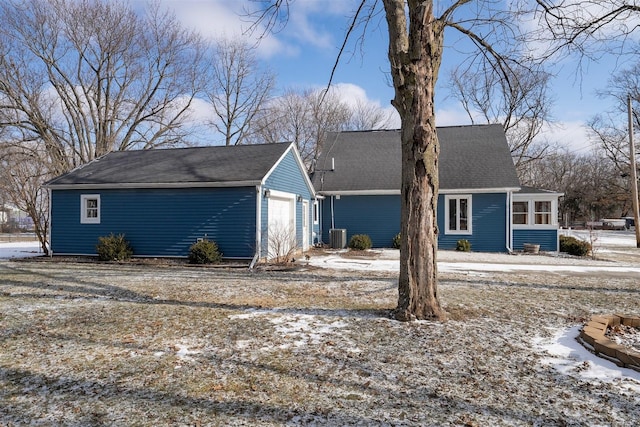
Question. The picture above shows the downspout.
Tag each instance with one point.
(509, 227)
(321, 221)
(50, 220)
(256, 256)
(333, 224)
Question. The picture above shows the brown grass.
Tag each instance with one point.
(111, 344)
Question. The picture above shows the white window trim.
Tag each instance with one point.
(457, 197)
(316, 213)
(84, 219)
(531, 220)
(527, 213)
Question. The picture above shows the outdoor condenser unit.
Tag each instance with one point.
(337, 238)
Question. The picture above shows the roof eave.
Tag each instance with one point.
(131, 185)
(397, 191)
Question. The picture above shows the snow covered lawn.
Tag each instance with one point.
(109, 344)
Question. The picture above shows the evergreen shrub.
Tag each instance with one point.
(463, 245)
(360, 242)
(113, 248)
(574, 246)
(204, 252)
(396, 241)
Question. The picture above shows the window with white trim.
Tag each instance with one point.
(457, 214)
(542, 212)
(90, 209)
(316, 212)
(521, 213)
(534, 213)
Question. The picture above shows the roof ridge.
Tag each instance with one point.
(476, 125)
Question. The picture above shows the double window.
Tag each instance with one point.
(532, 212)
(90, 209)
(457, 214)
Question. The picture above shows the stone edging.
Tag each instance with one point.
(592, 336)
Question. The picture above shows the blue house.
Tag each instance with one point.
(358, 175)
(252, 200)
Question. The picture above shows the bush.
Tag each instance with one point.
(113, 248)
(463, 245)
(204, 252)
(360, 242)
(574, 246)
(396, 241)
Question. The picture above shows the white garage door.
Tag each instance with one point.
(282, 225)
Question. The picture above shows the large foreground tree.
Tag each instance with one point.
(416, 31)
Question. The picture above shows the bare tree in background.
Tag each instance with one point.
(416, 31)
(89, 77)
(23, 169)
(592, 186)
(79, 79)
(369, 116)
(302, 117)
(610, 128)
(240, 90)
(522, 105)
(588, 29)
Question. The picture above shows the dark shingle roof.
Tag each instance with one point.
(219, 164)
(471, 157)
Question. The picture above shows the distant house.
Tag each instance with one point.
(358, 176)
(166, 200)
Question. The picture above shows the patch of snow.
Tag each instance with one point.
(604, 237)
(9, 250)
(306, 329)
(452, 262)
(183, 352)
(569, 357)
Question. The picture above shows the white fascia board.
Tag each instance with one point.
(521, 197)
(303, 169)
(396, 192)
(360, 193)
(128, 185)
(477, 190)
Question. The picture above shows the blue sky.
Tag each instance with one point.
(303, 53)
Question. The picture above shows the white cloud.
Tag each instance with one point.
(570, 135)
(354, 95)
(226, 19)
(452, 117)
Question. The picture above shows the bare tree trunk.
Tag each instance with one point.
(415, 60)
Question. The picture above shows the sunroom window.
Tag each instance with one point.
(542, 213)
(521, 213)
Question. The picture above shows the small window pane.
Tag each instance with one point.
(464, 214)
(520, 213)
(543, 213)
(453, 214)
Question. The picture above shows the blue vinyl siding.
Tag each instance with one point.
(158, 222)
(489, 224)
(377, 216)
(547, 239)
(289, 178)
